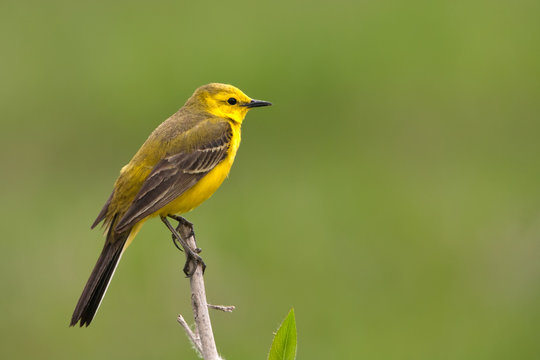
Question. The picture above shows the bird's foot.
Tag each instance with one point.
(192, 258)
(184, 222)
(192, 262)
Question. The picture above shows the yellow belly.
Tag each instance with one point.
(199, 192)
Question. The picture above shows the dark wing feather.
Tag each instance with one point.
(173, 176)
(103, 213)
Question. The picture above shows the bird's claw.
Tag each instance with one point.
(192, 258)
(192, 262)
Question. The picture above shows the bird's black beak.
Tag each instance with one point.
(256, 103)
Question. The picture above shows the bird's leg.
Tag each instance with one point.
(175, 242)
(183, 221)
(191, 255)
(175, 236)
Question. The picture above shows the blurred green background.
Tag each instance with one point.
(391, 194)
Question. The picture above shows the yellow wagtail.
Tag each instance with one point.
(180, 165)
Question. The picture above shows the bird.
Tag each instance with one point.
(181, 164)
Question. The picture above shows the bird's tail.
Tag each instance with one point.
(100, 278)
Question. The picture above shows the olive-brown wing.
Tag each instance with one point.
(174, 175)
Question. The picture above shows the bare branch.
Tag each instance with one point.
(192, 337)
(222, 307)
(199, 304)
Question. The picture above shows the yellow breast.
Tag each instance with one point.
(207, 185)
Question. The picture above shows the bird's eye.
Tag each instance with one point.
(232, 101)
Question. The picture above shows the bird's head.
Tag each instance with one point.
(224, 101)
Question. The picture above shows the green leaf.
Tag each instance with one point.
(284, 344)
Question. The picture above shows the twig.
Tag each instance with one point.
(203, 326)
(222, 307)
(192, 337)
